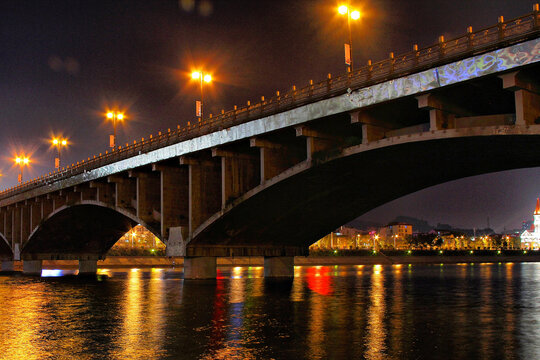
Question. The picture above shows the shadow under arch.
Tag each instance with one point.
(6, 253)
(88, 228)
(310, 200)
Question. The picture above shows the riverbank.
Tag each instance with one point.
(163, 261)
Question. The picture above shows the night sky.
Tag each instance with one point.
(64, 62)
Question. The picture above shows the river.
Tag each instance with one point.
(463, 311)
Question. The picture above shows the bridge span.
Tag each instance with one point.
(271, 178)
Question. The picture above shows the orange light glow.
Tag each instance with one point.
(343, 9)
(355, 15)
(195, 75)
(207, 78)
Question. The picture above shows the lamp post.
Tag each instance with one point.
(58, 143)
(202, 77)
(21, 161)
(114, 116)
(354, 15)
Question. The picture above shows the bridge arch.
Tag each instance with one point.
(85, 229)
(315, 197)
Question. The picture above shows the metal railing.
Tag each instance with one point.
(472, 43)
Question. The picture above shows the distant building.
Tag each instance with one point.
(530, 239)
(396, 235)
(344, 238)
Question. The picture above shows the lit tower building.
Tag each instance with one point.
(530, 239)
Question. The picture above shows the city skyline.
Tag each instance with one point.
(56, 82)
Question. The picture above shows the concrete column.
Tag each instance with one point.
(174, 197)
(372, 133)
(148, 197)
(104, 192)
(46, 207)
(35, 213)
(58, 201)
(32, 267)
(125, 191)
(279, 266)
(204, 191)
(274, 157)
(72, 196)
(8, 265)
(25, 223)
(87, 192)
(442, 112)
(8, 225)
(315, 140)
(527, 107)
(200, 267)
(17, 224)
(526, 90)
(87, 267)
(238, 175)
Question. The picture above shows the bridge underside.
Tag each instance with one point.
(301, 209)
(77, 232)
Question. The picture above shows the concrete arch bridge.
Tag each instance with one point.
(272, 178)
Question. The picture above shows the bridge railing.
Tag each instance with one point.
(502, 34)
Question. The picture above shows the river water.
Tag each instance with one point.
(464, 311)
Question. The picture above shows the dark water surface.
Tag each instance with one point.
(465, 311)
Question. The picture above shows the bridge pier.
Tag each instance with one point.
(87, 267)
(279, 266)
(32, 267)
(8, 265)
(203, 267)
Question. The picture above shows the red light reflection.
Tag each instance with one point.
(319, 280)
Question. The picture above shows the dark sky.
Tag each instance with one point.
(63, 62)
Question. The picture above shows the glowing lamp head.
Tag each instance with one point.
(64, 142)
(343, 9)
(355, 15)
(26, 160)
(18, 160)
(110, 115)
(207, 78)
(120, 116)
(195, 75)
(55, 141)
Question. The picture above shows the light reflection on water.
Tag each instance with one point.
(464, 311)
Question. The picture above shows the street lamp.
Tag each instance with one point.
(21, 161)
(354, 15)
(202, 77)
(58, 143)
(114, 116)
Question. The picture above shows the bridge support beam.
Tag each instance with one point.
(200, 267)
(87, 267)
(26, 225)
(8, 225)
(46, 207)
(526, 96)
(204, 190)
(35, 213)
(274, 158)
(174, 183)
(125, 192)
(441, 112)
(239, 173)
(104, 192)
(279, 266)
(316, 141)
(32, 267)
(148, 197)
